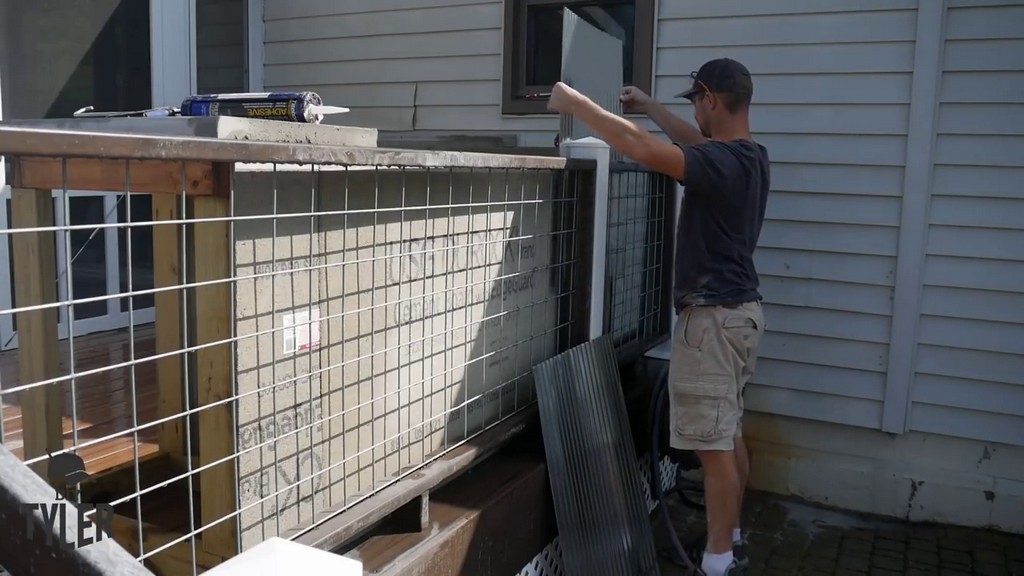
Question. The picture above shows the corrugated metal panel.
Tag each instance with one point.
(970, 362)
(603, 521)
(591, 63)
(549, 561)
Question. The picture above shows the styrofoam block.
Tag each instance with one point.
(277, 556)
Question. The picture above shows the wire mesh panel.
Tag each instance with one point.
(401, 319)
(289, 329)
(638, 252)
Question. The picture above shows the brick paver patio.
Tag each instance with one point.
(789, 537)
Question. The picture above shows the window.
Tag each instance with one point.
(533, 45)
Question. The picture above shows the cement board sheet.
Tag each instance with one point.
(408, 313)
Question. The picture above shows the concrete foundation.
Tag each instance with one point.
(914, 476)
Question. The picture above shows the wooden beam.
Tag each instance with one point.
(35, 279)
(176, 560)
(357, 520)
(213, 323)
(106, 175)
(414, 516)
(119, 481)
(470, 520)
(167, 273)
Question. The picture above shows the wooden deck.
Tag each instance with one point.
(103, 401)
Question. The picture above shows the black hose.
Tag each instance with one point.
(657, 402)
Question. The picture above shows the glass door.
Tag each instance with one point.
(62, 55)
(97, 263)
(57, 57)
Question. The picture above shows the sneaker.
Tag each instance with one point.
(739, 551)
(734, 569)
(695, 551)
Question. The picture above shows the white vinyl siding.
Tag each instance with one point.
(970, 360)
(832, 98)
(860, 191)
(220, 46)
(832, 94)
(401, 65)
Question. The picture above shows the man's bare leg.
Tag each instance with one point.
(721, 485)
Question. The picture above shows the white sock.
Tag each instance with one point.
(716, 564)
(736, 536)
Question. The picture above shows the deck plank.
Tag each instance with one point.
(103, 400)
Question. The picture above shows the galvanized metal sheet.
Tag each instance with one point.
(600, 506)
(592, 64)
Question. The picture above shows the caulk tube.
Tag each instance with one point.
(287, 106)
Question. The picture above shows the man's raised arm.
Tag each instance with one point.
(621, 134)
(677, 129)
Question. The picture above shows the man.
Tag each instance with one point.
(720, 321)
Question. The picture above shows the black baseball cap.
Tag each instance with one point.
(720, 75)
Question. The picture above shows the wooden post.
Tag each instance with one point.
(414, 516)
(213, 323)
(35, 280)
(166, 273)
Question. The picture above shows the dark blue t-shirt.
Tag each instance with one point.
(726, 191)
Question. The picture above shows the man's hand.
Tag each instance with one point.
(678, 130)
(634, 100)
(564, 99)
(621, 134)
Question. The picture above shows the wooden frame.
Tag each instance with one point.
(207, 187)
(513, 87)
(106, 175)
(214, 324)
(37, 355)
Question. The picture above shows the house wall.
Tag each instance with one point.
(891, 258)
(970, 357)
(220, 46)
(425, 65)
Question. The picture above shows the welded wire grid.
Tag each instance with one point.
(636, 272)
(335, 328)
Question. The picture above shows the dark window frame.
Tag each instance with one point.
(513, 86)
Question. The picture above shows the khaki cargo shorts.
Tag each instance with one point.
(714, 351)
